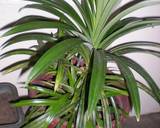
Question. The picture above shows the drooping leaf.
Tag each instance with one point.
(37, 25)
(140, 70)
(32, 113)
(25, 19)
(96, 80)
(112, 91)
(52, 55)
(135, 44)
(15, 66)
(131, 83)
(28, 37)
(56, 110)
(43, 90)
(51, 10)
(136, 50)
(34, 102)
(147, 90)
(67, 9)
(17, 52)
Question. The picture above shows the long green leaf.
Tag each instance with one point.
(120, 24)
(52, 55)
(120, 79)
(103, 15)
(137, 24)
(27, 37)
(34, 102)
(53, 112)
(131, 83)
(26, 19)
(58, 111)
(136, 50)
(43, 90)
(96, 80)
(17, 52)
(88, 12)
(51, 10)
(32, 113)
(86, 17)
(135, 44)
(130, 7)
(67, 9)
(15, 66)
(38, 25)
(140, 70)
(114, 91)
(147, 90)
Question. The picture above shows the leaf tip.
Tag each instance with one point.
(138, 118)
(20, 9)
(5, 34)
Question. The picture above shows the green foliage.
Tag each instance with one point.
(83, 88)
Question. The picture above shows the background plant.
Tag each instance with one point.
(83, 96)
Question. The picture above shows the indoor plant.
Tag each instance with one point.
(82, 96)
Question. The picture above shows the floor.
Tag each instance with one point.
(147, 121)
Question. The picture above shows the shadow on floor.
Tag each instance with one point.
(147, 121)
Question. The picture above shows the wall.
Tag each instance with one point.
(9, 12)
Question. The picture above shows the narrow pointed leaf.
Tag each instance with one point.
(51, 10)
(114, 91)
(140, 70)
(43, 90)
(52, 55)
(59, 76)
(15, 66)
(25, 19)
(104, 15)
(96, 80)
(17, 52)
(38, 25)
(57, 109)
(135, 44)
(131, 84)
(86, 17)
(137, 24)
(127, 9)
(136, 50)
(147, 90)
(67, 9)
(28, 37)
(34, 102)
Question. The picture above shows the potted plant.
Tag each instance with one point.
(82, 88)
